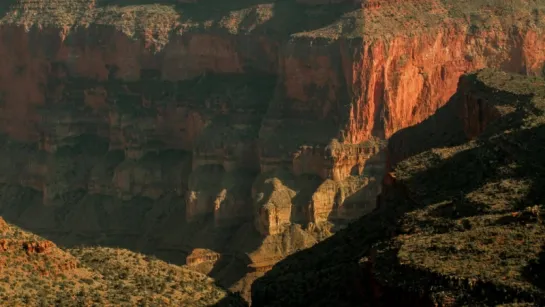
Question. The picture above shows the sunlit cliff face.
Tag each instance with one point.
(57, 88)
(247, 127)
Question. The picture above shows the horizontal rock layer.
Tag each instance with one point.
(458, 202)
(225, 111)
(110, 128)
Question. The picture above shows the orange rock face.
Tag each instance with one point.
(202, 117)
(199, 256)
(30, 247)
(37, 247)
(405, 80)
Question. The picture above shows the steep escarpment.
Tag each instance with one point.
(251, 129)
(460, 222)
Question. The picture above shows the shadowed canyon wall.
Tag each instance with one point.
(447, 155)
(108, 137)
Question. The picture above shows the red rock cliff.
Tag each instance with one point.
(160, 105)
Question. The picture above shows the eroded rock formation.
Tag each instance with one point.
(142, 121)
(450, 213)
(199, 256)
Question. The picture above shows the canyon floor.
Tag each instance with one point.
(221, 137)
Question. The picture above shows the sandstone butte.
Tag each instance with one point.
(251, 129)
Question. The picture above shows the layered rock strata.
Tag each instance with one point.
(141, 121)
(450, 216)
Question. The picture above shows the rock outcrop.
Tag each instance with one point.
(199, 256)
(51, 276)
(460, 222)
(146, 121)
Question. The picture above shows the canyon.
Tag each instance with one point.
(460, 222)
(250, 129)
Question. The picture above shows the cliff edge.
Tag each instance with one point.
(460, 223)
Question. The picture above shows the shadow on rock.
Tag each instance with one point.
(232, 300)
(462, 180)
(533, 272)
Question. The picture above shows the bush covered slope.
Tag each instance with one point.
(34, 272)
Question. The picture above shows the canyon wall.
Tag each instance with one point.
(468, 173)
(144, 132)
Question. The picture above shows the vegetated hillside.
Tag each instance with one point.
(460, 225)
(34, 272)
